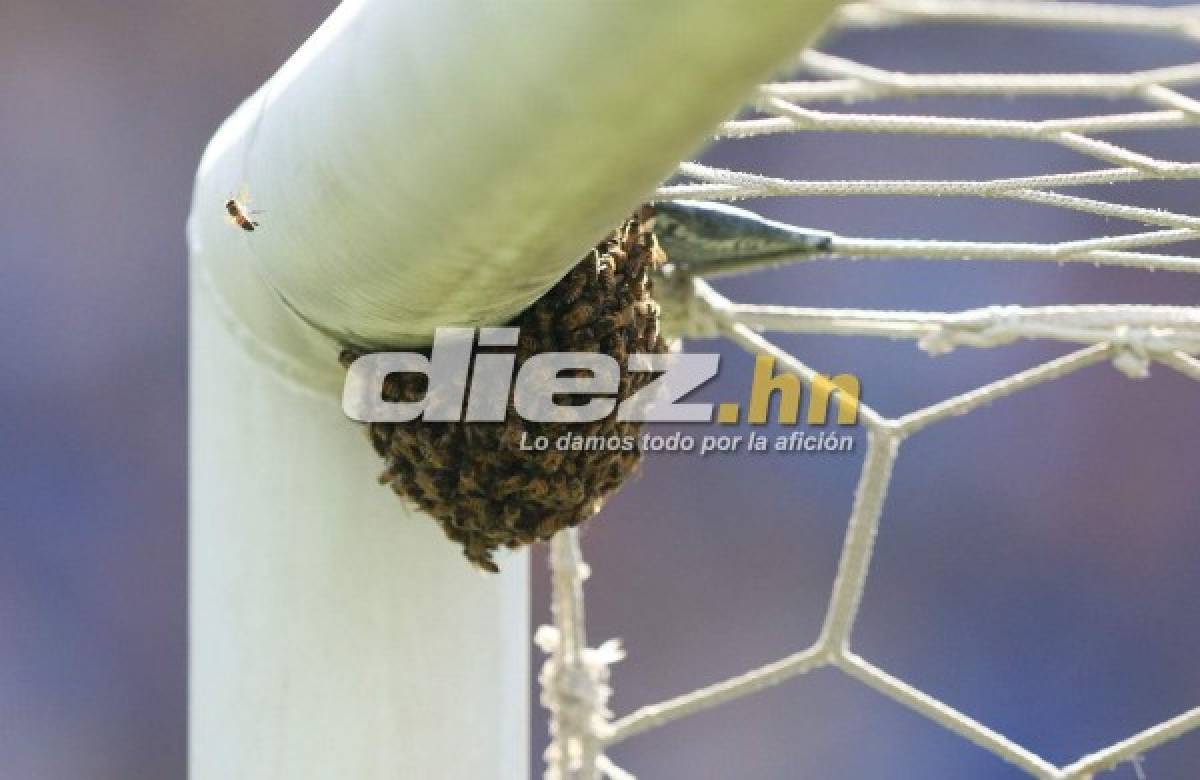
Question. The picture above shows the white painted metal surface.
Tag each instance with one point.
(419, 164)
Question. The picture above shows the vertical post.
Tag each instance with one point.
(334, 633)
(419, 164)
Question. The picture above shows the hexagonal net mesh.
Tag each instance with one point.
(1132, 336)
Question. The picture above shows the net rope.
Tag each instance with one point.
(1133, 337)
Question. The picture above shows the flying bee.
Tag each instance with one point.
(239, 211)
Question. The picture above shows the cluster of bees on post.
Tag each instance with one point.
(476, 480)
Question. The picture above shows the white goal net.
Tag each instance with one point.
(1133, 337)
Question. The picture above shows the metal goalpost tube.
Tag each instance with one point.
(418, 164)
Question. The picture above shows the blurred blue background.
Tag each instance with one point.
(1038, 562)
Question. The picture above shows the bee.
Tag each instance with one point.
(606, 269)
(510, 515)
(574, 284)
(239, 212)
(537, 488)
(578, 316)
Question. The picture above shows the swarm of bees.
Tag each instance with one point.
(473, 478)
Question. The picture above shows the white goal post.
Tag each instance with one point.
(425, 164)
(418, 164)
